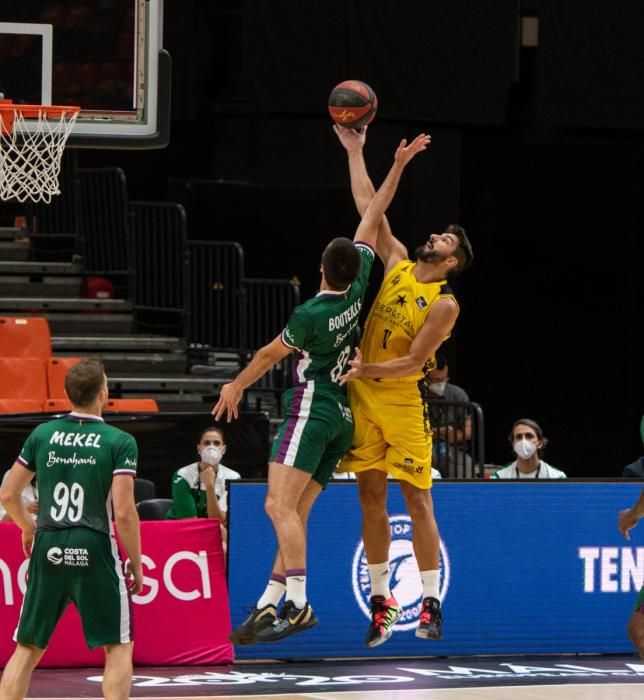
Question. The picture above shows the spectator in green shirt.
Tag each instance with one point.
(199, 488)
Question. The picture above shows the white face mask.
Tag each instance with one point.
(524, 448)
(211, 455)
(438, 388)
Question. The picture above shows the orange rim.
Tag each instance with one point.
(9, 110)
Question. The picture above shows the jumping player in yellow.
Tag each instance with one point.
(413, 314)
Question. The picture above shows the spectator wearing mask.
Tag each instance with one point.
(451, 425)
(528, 443)
(199, 489)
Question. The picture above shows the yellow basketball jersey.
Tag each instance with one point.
(397, 314)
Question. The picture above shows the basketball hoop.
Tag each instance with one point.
(32, 141)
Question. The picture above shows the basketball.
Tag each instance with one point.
(352, 104)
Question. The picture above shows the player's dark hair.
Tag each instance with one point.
(463, 252)
(441, 360)
(537, 429)
(84, 381)
(341, 263)
(212, 429)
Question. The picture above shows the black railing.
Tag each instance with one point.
(216, 272)
(159, 266)
(102, 215)
(268, 304)
(458, 443)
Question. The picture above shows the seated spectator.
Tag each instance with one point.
(199, 489)
(29, 498)
(636, 469)
(451, 425)
(528, 443)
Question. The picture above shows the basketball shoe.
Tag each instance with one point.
(257, 620)
(431, 620)
(384, 615)
(289, 621)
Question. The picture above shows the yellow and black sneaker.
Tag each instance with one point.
(257, 620)
(384, 615)
(289, 621)
(431, 620)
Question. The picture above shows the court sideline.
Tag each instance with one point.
(568, 677)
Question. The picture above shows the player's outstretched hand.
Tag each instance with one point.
(229, 396)
(134, 577)
(351, 139)
(404, 152)
(357, 369)
(626, 521)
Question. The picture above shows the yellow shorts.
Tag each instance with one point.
(391, 431)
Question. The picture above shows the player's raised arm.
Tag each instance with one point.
(389, 249)
(231, 393)
(367, 231)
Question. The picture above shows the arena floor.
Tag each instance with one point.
(586, 677)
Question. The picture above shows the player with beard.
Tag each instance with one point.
(413, 314)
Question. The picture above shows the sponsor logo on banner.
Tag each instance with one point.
(612, 569)
(405, 582)
(411, 674)
(157, 576)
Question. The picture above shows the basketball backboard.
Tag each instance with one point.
(105, 56)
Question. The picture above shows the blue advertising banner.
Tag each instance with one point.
(525, 568)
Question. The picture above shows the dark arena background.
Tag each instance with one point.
(198, 192)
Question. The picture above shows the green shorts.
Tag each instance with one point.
(639, 603)
(80, 566)
(316, 431)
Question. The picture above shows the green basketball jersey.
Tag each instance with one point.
(75, 458)
(323, 329)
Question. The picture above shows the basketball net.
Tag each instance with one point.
(32, 141)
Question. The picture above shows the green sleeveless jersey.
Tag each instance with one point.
(323, 330)
(75, 459)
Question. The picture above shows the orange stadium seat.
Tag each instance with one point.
(57, 368)
(20, 406)
(24, 337)
(57, 405)
(133, 405)
(23, 378)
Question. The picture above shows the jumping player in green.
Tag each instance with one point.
(318, 425)
(83, 466)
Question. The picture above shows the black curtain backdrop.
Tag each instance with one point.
(591, 62)
(447, 62)
(550, 310)
(550, 318)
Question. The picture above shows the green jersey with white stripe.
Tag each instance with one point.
(75, 459)
(323, 330)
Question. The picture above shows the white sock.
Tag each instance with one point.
(296, 587)
(380, 575)
(430, 581)
(273, 592)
